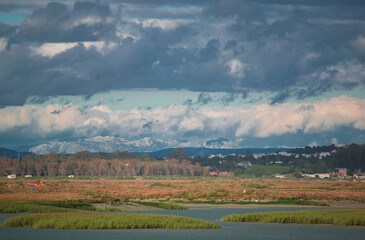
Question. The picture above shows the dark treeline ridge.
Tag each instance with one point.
(313, 149)
(350, 156)
(98, 164)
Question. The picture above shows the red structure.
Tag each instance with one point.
(339, 173)
(342, 172)
(36, 184)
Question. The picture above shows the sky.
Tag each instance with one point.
(141, 74)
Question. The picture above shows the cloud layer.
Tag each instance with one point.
(294, 48)
(182, 123)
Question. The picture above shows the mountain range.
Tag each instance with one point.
(112, 143)
(212, 151)
(5, 152)
(152, 147)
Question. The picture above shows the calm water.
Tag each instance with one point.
(230, 231)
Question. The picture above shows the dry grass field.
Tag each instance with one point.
(217, 189)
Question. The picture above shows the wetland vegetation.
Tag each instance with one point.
(342, 217)
(162, 205)
(80, 205)
(106, 221)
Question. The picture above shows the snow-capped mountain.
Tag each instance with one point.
(220, 143)
(103, 144)
(111, 143)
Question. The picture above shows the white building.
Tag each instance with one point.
(243, 164)
(280, 176)
(319, 175)
(285, 154)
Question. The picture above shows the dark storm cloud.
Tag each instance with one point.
(245, 10)
(37, 99)
(204, 98)
(56, 23)
(6, 30)
(228, 98)
(292, 48)
(281, 51)
(279, 98)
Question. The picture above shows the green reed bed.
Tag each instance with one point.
(70, 206)
(162, 205)
(79, 205)
(30, 207)
(342, 217)
(106, 221)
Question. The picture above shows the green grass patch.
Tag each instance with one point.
(79, 205)
(72, 206)
(30, 207)
(108, 210)
(342, 217)
(45, 207)
(168, 206)
(106, 221)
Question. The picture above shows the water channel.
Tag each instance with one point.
(229, 231)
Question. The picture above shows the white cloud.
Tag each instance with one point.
(164, 24)
(128, 30)
(236, 68)
(343, 72)
(89, 20)
(176, 120)
(52, 49)
(3, 43)
(101, 46)
(191, 124)
(359, 45)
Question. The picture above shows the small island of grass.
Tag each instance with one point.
(106, 221)
(76, 205)
(342, 217)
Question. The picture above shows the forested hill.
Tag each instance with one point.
(314, 149)
(350, 156)
(4, 152)
(212, 151)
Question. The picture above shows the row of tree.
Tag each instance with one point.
(87, 164)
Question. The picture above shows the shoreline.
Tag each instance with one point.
(339, 204)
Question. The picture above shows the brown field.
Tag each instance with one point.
(225, 189)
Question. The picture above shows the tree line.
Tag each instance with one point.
(100, 164)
